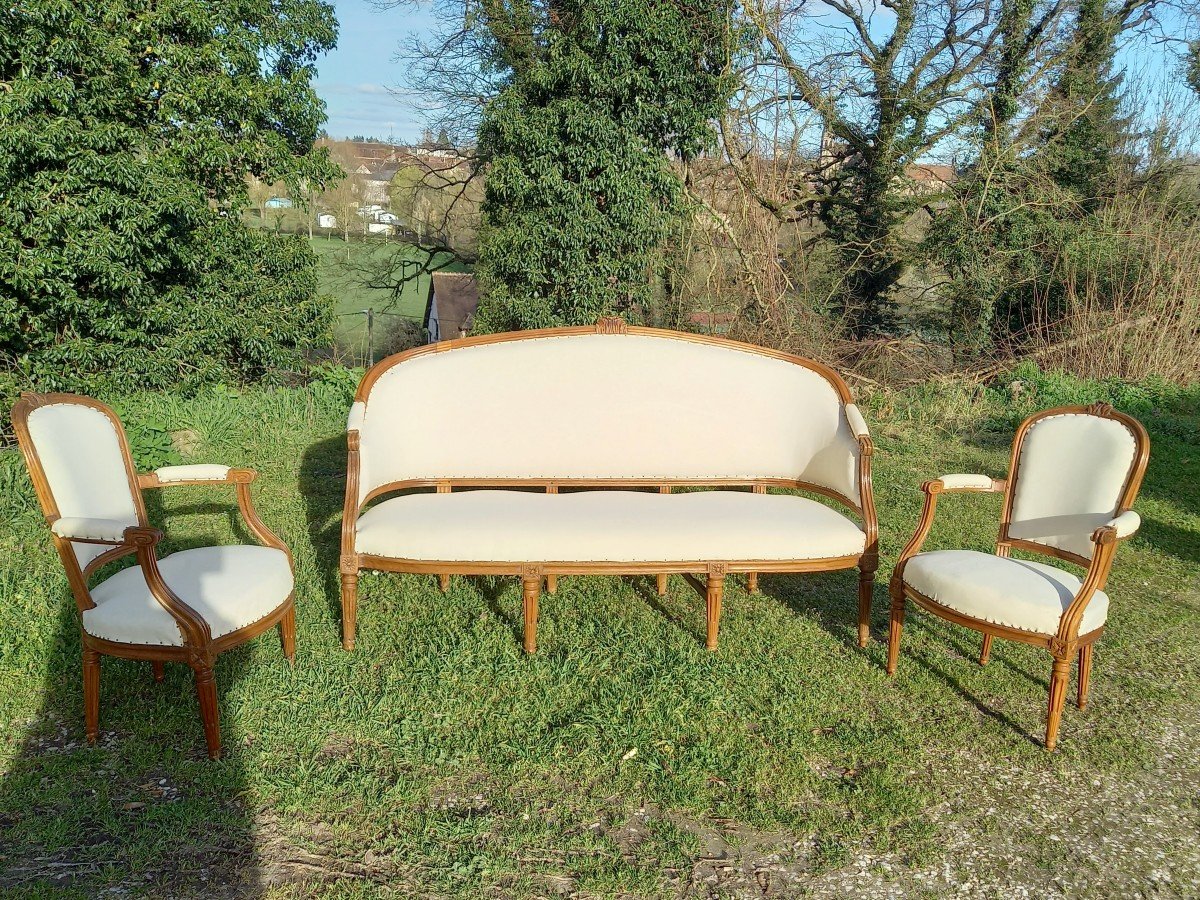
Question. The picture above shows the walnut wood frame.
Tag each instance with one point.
(1066, 643)
(199, 649)
(533, 572)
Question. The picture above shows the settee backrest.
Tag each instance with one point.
(571, 404)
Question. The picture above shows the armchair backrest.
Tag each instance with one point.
(604, 403)
(79, 460)
(1073, 469)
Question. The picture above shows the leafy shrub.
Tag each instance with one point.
(149, 440)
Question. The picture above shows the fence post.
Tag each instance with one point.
(370, 311)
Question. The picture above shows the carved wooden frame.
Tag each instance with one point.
(199, 649)
(532, 572)
(1066, 642)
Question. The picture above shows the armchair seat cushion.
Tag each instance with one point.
(228, 586)
(606, 526)
(1012, 592)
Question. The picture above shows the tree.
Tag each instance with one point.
(580, 192)
(127, 133)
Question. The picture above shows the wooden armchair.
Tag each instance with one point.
(1074, 474)
(185, 607)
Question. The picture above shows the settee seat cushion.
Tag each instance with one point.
(1030, 596)
(606, 526)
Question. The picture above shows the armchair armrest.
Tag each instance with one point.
(1123, 526)
(964, 482)
(947, 484)
(96, 531)
(201, 472)
(143, 539)
(358, 411)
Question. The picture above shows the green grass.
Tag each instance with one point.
(438, 758)
(348, 272)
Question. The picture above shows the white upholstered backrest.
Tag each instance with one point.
(604, 406)
(80, 453)
(1071, 473)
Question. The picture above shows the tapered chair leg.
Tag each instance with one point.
(866, 587)
(895, 627)
(206, 693)
(444, 582)
(156, 669)
(1059, 678)
(1085, 675)
(661, 584)
(551, 584)
(349, 609)
(712, 607)
(91, 694)
(531, 587)
(985, 651)
(752, 583)
(287, 635)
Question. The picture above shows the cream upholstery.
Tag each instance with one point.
(90, 529)
(1071, 472)
(81, 454)
(200, 472)
(1027, 595)
(228, 586)
(1127, 523)
(604, 406)
(966, 482)
(858, 425)
(594, 526)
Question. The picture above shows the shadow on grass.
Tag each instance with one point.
(143, 811)
(323, 487)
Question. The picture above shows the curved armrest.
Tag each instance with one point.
(202, 473)
(358, 411)
(143, 540)
(91, 531)
(954, 483)
(1122, 526)
(858, 425)
(172, 476)
(947, 484)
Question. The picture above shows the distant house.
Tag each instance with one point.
(278, 203)
(326, 220)
(452, 305)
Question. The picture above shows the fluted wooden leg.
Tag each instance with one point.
(531, 587)
(349, 609)
(444, 582)
(866, 587)
(661, 584)
(896, 627)
(985, 651)
(715, 591)
(156, 668)
(1085, 675)
(91, 694)
(551, 584)
(206, 693)
(287, 634)
(752, 582)
(1060, 676)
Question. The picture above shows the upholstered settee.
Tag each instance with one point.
(563, 452)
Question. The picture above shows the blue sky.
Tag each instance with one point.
(359, 81)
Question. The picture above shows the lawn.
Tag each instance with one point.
(623, 759)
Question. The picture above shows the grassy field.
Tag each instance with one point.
(622, 759)
(391, 278)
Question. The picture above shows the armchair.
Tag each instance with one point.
(185, 607)
(1074, 473)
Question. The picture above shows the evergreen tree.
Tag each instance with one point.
(127, 133)
(581, 192)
